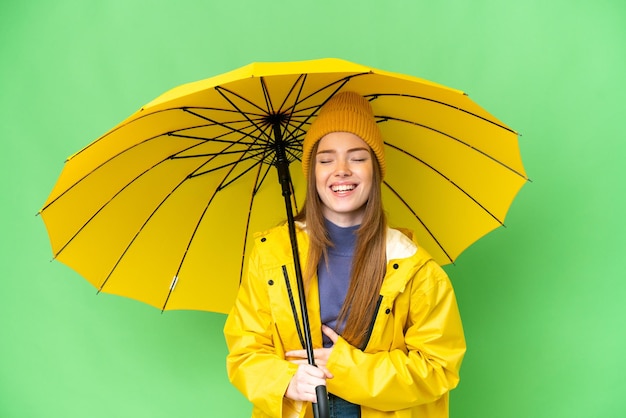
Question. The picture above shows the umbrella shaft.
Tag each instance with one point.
(282, 164)
(320, 409)
(284, 177)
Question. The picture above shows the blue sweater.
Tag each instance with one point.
(334, 280)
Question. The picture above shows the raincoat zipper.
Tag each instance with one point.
(371, 327)
(293, 306)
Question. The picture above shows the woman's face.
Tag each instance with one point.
(343, 177)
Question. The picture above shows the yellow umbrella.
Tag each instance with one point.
(161, 207)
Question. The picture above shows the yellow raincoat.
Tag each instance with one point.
(412, 357)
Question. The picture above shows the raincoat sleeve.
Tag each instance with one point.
(255, 363)
(416, 372)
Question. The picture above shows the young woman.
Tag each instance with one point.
(384, 319)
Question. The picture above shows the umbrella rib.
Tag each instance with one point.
(225, 125)
(266, 95)
(219, 109)
(404, 202)
(285, 124)
(215, 154)
(148, 220)
(193, 234)
(130, 121)
(117, 193)
(218, 88)
(125, 186)
(299, 81)
(500, 125)
(96, 169)
(342, 82)
(201, 138)
(260, 149)
(267, 171)
(221, 91)
(291, 136)
(142, 226)
(172, 133)
(180, 265)
(459, 188)
(233, 164)
(255, 189)
(302, 77)
(484, 154)
(293, 149)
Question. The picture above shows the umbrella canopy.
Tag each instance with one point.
(161, 207)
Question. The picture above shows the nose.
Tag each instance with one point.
(342, 168)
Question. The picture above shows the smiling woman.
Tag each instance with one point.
(385, 325)
(343, 177)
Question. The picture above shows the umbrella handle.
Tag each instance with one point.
(320, 409)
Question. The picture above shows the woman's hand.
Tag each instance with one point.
(307, 378)
(320, 355)
(303, 383)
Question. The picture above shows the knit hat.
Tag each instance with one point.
(345, 112)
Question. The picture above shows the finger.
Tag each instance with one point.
(311, 394)
(316, 375)
(296, 353)
(299, 361)
(330, 333)
(321, 356)
(303, 353)
(327, 373)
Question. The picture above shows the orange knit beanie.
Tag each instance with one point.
(345, 112)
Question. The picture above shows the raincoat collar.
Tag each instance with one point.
(399, 245)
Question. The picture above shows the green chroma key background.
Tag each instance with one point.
(542, 299)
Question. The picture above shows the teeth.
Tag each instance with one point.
(343, 188)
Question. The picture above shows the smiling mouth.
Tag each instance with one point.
(343, 188)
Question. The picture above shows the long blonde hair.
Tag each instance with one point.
(369, 259)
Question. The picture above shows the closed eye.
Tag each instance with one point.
(360, 157)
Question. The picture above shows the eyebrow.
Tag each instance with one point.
(332, 151)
